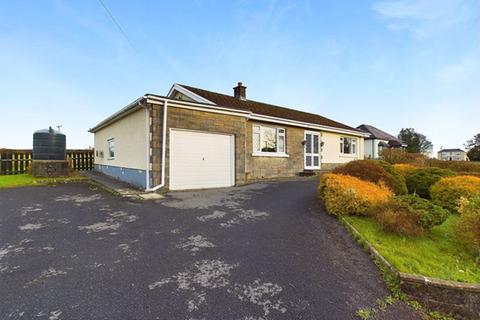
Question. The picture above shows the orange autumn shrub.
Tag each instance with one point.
(374, 171)
(398, 216)
(448, 191)
(347, 195)
(465, 173)
(404, 168)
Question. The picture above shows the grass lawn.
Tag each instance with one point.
(437, 254)
(21, 180)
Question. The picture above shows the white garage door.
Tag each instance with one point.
(201, 160)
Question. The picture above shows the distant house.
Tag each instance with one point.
(452, 154)
(377, 141)
(193, 138)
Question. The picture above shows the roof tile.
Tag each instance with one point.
(266, 109)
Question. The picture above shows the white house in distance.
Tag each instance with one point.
(377, 141)
(194, 138)
(452, 154)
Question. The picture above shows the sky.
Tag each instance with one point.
(391, 64)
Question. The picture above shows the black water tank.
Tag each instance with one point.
(49, 144)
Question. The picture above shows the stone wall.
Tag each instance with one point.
(264, 167)
(179, 118)
(247, 166)
(460, 299)
(49, 168)
(156, 132)
(330, 166)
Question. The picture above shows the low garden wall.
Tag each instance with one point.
(450, 297)
(462, 299)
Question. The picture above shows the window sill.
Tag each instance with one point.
(270, 154)
(110, 158)
(345, 155)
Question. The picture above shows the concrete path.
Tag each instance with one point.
(120, 188)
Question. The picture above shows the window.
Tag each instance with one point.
(111, 148)
(268, 140)
(348, 145)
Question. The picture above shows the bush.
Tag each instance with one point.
(421, 180)
(468, 226)
(447, 191)
(347, 195)
(430, 214)
(401, 156)
(457, 166)
(399, 183)
(398, 217)
(466, 173)
(404, 168)
(373, 171)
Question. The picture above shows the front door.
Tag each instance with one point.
(312, 150)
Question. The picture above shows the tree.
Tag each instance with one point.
(473, 146)
(415, 141)
(474, 154)
(474, 142)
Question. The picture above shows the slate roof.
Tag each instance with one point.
(451, 150)
(266, 109)
(377, 133)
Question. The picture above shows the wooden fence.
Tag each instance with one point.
(17, 161)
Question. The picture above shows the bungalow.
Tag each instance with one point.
(194, 138)
(377, 141)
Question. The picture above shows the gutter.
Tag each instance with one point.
(253, 116)
(148, 98)
(308, 125)
(119, 114)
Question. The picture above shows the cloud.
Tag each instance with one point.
(461, 71)
(424, 18)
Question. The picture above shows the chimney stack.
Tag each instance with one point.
(240, 91)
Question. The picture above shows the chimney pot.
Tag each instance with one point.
(240, 91)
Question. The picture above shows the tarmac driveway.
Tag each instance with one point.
(262, 251)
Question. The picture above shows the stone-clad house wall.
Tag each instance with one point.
(247, 166)
(179, 118)
(261, 167)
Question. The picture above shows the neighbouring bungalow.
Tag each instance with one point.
(194, 138)
(452, 154)
(377, 141)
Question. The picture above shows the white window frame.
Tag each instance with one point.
(257, 130)
(109, 148)
(354, 146)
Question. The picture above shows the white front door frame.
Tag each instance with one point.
(309, 150)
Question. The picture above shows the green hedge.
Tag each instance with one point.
(430, 214)
(420, 181)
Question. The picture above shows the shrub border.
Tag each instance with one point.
(462, 299)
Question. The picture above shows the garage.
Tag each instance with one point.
(201, 160)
